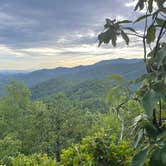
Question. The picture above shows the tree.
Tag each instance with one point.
(101, 149)
(10, 147)
(14, 105)
(67, 124)
(152, 93)
(33, 160)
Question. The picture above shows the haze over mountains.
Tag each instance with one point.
(48, 81)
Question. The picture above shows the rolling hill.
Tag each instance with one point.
(85, 80)
(48, 81)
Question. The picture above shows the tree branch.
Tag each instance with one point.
(132, 34)
(159, 38)
(144, 36)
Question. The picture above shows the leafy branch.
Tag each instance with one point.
(152, 92)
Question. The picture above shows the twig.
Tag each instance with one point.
(132, 34)
(159, 38)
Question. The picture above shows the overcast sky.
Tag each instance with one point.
(51, 33)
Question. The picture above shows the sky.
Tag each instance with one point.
(37, 34)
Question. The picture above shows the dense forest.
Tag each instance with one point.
(113, 120)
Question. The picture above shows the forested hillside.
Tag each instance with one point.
(98, 74)
(40, 131)
(51, 77)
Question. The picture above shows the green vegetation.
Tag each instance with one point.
(93, 122)
(35, 159)
(149, 126)
(29, 127)
(47, 82)
(99, 150)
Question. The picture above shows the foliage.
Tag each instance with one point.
(9, 147)
(30, 127)
(101, 149)
(67, 124)
(150, 128)
(107, 123)
(33, 160)
(89, 82)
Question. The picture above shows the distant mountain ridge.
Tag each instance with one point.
(80, 77)
(129, 68)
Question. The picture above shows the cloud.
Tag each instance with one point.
(48, 33)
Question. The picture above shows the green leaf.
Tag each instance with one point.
(163, 155)
(161, 56)
(149, 101)
(108, 23)
(125, 37)
(141, 18)
(100, 38)
(150, 6)
(140, 158)
(114, 39)
(147, 77)
(158, 157)
(161, 136)
(151, 130)
(151, 34)
(130, 29)
(124, 22)
(139, 5)
(160, 22)
(104, 37)
(116, 77)
(112, 93)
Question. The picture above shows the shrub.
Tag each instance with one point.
(33, 160)
(98, 150)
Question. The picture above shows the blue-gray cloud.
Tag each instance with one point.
(34, 27)
(27, 23)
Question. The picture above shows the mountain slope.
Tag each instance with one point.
(94, 74)
(53, 80)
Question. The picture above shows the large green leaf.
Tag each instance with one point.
(105, 37)
(101, 38)
(162, 136)
(151, 34)
(149, 101)
(150, 6)
(161, 56)
(125, 37)
(109, 23)
(124, 22)
(158, 157)
(130, 29)
(114, 39)
(140, 5)
(112, 93)
(160, 22)
(151, 130)
(140, 158)
(141, 18)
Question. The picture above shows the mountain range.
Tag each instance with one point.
(48, 81)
